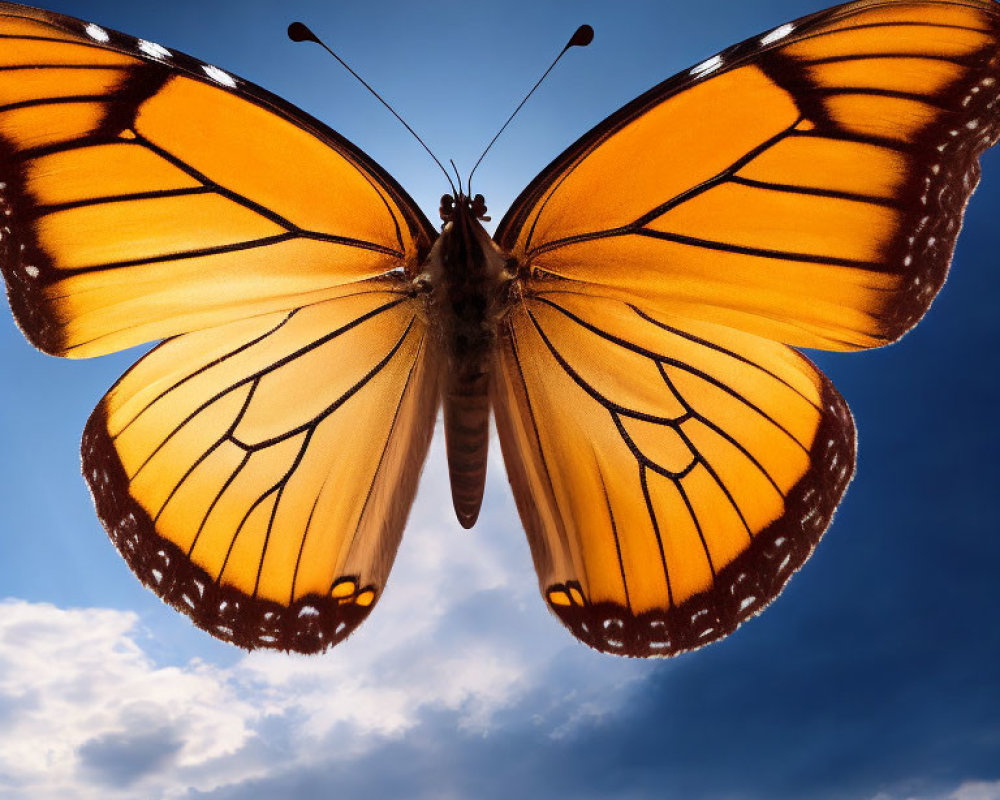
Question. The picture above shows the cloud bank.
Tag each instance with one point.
(86, 711)
(461, 685)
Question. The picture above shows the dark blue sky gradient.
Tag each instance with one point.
(876, 670)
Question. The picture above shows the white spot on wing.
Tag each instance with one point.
(777, 33)
(219, 76)
(153, 49)
(32, 271)
(707, 66)
(96, 32)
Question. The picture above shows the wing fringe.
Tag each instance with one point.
(311, 624)
(744, 587)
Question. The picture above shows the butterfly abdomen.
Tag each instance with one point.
(467, 278)
(466, 429)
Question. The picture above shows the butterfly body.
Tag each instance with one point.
(469, 289)
(631, 325)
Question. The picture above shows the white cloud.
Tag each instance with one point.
(70, 677)
(968, 790)
(86, 712)
(977, 790)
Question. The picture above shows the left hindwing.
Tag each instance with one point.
(807, 185)
(671, 474)
(258, 475)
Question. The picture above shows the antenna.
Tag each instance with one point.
(298, 32)
(583, 36)
(457, 176)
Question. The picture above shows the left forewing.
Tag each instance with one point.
(145, 194)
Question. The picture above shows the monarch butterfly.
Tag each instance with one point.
(631, 324)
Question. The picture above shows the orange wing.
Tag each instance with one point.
(258, 475)
(807, 185)
(256, 469)
(673, 460)
(147, 193)
(671, 474)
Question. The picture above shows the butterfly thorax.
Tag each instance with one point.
(467, 273)
(468, 279)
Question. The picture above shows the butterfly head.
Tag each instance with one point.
(472, 206)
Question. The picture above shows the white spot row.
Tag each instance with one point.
(157, 51)
(712, 64)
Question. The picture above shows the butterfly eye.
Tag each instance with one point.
(478, 206)
(447, 207)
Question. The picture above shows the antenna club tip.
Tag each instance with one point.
(583, 36)
(298, 32)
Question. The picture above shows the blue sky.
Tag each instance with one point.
(873, 676)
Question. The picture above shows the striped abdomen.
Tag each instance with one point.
(467, 435)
